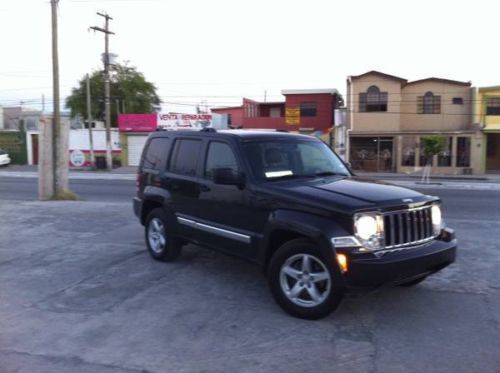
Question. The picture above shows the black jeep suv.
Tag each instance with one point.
(288, 203)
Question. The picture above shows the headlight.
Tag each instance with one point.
(366, 226)
(437, 219)
(369, 228)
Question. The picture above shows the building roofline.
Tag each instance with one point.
(374, 72)
(489, 88)
(448, 81)
(271, 102)
(227, 107)
(331, 91)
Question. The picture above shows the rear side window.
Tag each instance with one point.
(156, 151)
(220, 155)
(185, 157)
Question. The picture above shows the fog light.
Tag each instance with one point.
(342, 260)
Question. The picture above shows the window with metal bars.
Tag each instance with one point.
(429, 104)
(373, 100)
(493, 106)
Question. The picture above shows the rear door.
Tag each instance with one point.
(181, 180)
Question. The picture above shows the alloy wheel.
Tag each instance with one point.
(156, 235)
(305, 280)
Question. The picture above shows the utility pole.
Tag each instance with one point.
(53, 170)
(105, 30)
(89, 119)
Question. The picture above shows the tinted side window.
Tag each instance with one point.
(220, 155)
(185, 157)
(157, 151)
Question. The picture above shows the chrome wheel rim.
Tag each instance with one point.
(156, 235)
(305, 280)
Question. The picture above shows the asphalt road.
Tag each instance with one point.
(26, 189)
(79, 293)
(463, 203)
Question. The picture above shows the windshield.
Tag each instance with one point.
(274, 160)
(2, 152)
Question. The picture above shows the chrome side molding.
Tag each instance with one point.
(214, 230)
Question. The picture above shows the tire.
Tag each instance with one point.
(412, 282)
(161, 245)
(301, 280)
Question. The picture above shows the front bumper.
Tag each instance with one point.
(394, 267)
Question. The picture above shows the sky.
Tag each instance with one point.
(218, 51)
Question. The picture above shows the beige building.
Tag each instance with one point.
(486, 104)
(387, 116)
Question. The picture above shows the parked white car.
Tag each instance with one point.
(4, 158)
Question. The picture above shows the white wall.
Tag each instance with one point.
(79, 139)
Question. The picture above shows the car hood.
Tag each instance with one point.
(351, 193)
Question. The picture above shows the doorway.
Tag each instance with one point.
(493, 152)
(34, 148)
(372, 154)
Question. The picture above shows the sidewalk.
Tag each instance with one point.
(493, 178)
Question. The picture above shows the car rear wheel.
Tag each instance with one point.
(160, 244)
(301, 280)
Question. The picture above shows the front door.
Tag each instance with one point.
(224, 210)
(385, 154)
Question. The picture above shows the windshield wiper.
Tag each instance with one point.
(292, 176)
(329, 173)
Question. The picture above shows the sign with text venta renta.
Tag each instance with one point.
(184, 121)
(292, 115)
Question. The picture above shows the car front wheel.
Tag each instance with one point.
(301, 280)
(160, 245)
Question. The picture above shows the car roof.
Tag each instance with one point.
(242, 134)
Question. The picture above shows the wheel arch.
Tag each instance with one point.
(154, 197)
(286, 225)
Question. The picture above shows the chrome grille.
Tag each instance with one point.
(407, 227)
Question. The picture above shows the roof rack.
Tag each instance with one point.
(208, 129)
(281, 130)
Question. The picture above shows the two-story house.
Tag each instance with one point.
(387, 116)
(314, 109)
(486, 110)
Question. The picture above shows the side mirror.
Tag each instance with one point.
(227, 176)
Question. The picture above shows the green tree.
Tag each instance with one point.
(130, 93)
(431, 146)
